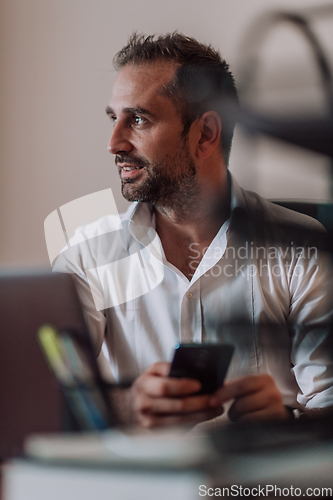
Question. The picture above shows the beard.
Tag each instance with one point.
(170, 183)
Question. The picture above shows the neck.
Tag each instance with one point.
(196, 220)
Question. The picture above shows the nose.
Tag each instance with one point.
(119, 141)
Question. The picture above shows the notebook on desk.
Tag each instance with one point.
(31, 399)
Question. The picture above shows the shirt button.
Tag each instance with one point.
(189, 295)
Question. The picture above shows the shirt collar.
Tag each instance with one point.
(142, 223)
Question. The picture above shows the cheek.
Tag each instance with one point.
(167, 142)
(156, 147)
(159, 141)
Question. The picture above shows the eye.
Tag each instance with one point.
(138, 120)
(113, 119)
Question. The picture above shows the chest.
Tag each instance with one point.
(211, 309)
(186, 257)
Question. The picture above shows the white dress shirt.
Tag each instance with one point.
(268, 299)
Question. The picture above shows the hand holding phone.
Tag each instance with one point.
(207, 363)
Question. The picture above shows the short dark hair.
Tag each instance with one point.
(202, 81)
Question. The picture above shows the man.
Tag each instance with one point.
(171, 139)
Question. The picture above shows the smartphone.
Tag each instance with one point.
(207, 363)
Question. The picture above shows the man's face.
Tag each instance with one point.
(155, 162)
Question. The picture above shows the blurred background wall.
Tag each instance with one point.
(56, 79)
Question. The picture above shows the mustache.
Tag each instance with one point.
(131, 160)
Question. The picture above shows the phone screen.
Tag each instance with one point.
(207, 363)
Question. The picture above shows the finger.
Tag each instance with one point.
(146, 404)
(252, 403)
(149, 421)
(243, 386)
(166, 386)
(161, 368)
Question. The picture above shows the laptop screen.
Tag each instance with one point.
(31, 398)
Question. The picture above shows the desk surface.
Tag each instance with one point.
(282, 456)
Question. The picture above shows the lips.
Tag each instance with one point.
(129, 171)
(129, 168)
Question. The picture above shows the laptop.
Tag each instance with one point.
(32, 400)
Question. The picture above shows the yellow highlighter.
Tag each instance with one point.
(48, 339)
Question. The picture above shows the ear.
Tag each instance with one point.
(210, 131)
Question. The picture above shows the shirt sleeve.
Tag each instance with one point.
(70, 261)
(310, 322)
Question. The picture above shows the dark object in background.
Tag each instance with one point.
(323, 212)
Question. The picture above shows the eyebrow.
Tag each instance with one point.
(130, 111)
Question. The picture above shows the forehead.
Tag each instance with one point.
(142, 84)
